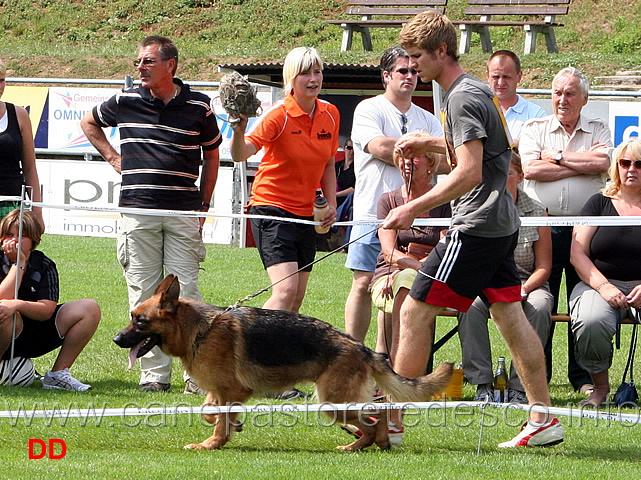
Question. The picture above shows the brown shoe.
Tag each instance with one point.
(155, 387)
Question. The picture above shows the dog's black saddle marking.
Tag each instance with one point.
(283, 338)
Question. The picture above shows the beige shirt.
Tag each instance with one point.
(566, 196)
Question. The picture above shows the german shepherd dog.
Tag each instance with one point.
(243, 352)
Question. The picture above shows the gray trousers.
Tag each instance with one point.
(475, 339)
(594, 323)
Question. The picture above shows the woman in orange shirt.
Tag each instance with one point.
(299, 135)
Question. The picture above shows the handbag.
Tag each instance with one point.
(627, 395)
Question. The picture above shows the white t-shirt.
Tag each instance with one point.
(375, 117)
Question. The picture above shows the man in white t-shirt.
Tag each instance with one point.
(377, 125)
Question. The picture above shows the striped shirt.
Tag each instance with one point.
(524, 251)
(160, 145)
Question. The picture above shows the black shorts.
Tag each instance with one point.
(36, 338)
(282, 242)
(461, 267)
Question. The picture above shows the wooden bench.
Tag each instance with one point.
(541, 18)
(449, 312)
(381, 14)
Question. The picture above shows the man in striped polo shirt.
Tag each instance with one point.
(164, 126)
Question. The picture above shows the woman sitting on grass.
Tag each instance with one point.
(41, 324)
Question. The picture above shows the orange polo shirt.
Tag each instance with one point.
(297, 149)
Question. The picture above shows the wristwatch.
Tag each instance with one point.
(558, 156)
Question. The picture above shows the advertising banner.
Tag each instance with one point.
(625, 121)
(79, 184)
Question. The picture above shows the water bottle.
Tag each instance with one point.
(500, 382)
(321, 207)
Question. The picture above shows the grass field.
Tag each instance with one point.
(440, 445)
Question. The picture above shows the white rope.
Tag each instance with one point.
(421, 222)
(4, 198)
(580, 412)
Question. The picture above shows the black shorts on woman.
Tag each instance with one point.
(282, 241)
(37, 337)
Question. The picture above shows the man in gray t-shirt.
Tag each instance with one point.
(477, 255)
(488, 209)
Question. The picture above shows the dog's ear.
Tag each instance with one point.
(166, 283)
(169, 290)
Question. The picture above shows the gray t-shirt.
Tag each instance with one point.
(488, 209)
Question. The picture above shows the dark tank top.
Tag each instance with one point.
(11, 178)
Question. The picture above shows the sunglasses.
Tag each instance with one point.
(147, 62)
(403, 124)
(349, 147)
(625, 163)
(405, 71)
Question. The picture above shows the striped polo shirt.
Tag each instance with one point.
(160, 145)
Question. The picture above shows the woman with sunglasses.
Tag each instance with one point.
(608, 261)
(345, 176)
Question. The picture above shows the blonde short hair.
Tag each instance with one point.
(613, 187)
(299, 60)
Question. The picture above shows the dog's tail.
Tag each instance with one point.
(403, 389)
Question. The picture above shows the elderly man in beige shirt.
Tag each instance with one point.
(565, 160)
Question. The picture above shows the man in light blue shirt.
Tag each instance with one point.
(504, 74)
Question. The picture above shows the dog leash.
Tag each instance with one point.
(262, 290)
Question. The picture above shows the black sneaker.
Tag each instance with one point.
(290, 395)
(516, 396)
(484, 393)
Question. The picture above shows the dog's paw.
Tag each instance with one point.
(194, 446)
(201, 446)
(208, 444)
(353, 447)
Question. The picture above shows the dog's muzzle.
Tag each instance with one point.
(139, 343)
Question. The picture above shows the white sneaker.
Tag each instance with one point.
(545, 435)
(395, 434)
(62, 380)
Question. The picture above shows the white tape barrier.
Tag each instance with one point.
(525, 221)
(628, 418)
(4, 198)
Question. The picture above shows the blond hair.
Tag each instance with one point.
(427, 31)
(299, 60)
(613, 187)
(435, 158)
